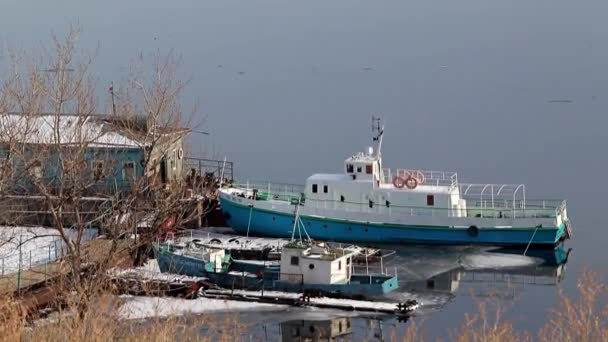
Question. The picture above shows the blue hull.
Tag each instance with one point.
(179, 264)
(276, 224)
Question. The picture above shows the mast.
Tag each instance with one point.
(377, 132)
(377, 135)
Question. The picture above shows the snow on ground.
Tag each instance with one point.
(150, 271)
(146, 307)
(37, 243)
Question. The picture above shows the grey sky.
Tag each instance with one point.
(289, 87)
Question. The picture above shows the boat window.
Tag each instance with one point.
(314, 188)
(295, 260)
(430, 200)
(340, 265)
(349, 168)
(325, 188)
(369, 169)
(359, 169)
(348, 261)
(311, 266)
(341, 198)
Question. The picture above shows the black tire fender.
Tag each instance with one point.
(473, 231)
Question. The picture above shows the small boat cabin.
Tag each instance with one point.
(316, 263)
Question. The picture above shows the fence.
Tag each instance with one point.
(216, 168)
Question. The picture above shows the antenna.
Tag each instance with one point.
(113, 103)
(377, 132)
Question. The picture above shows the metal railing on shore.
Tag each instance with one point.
(216, 168)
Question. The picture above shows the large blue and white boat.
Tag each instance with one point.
(367, 203)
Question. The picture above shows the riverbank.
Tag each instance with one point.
(580, 318)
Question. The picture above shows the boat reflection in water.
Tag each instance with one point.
(497, 272)
(327, 330)
(434, 276)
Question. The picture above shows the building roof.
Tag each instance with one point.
(90, 130)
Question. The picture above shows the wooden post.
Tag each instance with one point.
(199, 210)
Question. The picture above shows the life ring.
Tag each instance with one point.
(398, 182)
(180, 153)
(411, 183)
(473, 231)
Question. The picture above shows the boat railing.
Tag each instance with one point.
(437, 178)
(276, 191)
(544, 209)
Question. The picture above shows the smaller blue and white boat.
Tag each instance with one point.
(304, 267)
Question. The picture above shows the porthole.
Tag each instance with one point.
(311, 266)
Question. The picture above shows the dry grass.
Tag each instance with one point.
(583, 317)
(102, 323)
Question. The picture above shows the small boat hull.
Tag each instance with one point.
(261, 222)
(169, 262)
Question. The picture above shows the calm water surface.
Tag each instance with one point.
(287, 88)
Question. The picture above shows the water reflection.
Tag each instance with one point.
(328, 330)
(432, 275)
(435, 275)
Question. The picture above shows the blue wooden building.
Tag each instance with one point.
(93, 154)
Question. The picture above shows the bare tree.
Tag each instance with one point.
(84, 169)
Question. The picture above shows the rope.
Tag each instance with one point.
(249, 223)
(530, 242)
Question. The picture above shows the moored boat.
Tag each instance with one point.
(304, 267)
(367, 203)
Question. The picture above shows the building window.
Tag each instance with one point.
(295, 260)
(325, 189)
(128, 171)
(339, 265)
(359, 169)
(314, 188)
(349, 168)
(369, 169)
(430, 200)
(98, 170)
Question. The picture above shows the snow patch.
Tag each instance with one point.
(146, 307)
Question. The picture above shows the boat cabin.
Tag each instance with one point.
(366, 186)
(315, 264)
